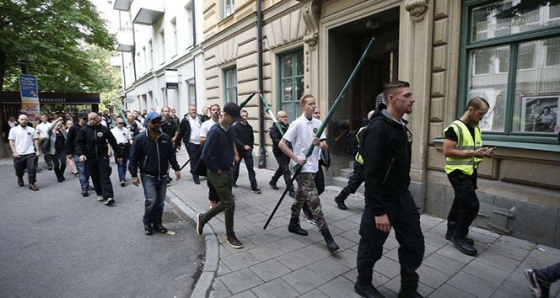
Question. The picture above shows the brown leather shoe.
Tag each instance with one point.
(33, 187)
(20, 182)
(234, 242)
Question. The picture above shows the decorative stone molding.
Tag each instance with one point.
(311, 13)
(417, 9)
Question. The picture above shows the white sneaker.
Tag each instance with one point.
(110, 201)
(100, 199)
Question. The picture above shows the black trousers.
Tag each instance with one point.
(355, 180)
(100, 173)
(465, 205)
(283, 169)
(550, 273)
(194, 154)
(29, 162)
(405, 219)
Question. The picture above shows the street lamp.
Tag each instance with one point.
(24, 62)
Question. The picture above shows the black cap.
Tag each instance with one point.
(233, 110)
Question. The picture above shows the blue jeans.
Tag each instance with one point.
(83, 174)
(121, 167)
(154, 192)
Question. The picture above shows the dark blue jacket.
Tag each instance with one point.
(217, 152)
(152, 156)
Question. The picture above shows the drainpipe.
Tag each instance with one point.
(262, 149)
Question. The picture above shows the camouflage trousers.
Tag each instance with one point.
(307, 191)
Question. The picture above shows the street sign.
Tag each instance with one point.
(30, 97)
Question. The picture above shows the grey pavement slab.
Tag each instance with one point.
(276, 263)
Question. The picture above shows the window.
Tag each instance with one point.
(150, 55)
(174, 37)
(227, 8)
(511, 57)
(162, 37)
(191, 92)
(291, 83)
(230, 84)
(190, 24)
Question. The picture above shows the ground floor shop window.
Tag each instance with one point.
(511, 57)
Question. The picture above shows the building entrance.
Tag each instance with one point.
(346, 46)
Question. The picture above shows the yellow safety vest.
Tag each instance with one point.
(359, 157)
(465, 143)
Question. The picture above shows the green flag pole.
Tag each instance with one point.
(271, 114)
(333, 108)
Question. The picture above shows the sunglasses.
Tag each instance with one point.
(120, 122)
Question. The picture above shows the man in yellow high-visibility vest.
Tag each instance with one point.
(463, 150)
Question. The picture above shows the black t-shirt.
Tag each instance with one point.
(451, 135)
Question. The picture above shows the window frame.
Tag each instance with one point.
(294, 106)
(513, 41)
(224, 3)
(227, 87)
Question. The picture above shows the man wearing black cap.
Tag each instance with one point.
(218, 155)
(152, 151)
(70, 145)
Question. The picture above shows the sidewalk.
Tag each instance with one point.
(277, 263)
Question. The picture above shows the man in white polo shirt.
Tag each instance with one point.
(301, 134)
(25, 150)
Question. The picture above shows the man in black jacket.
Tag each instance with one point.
(71, 152)
(189, 133)
(244, 140)
(388, 202)
(282, 159)
(91, 146)
(152, 151)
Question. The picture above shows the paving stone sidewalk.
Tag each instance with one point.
(276, 263)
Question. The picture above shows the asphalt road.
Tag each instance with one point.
(56, 243)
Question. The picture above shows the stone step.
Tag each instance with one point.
(345, 173)
(341, 181)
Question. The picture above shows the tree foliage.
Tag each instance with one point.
(59, 35)
(64, 37)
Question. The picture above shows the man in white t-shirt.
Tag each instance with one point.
(25, 150)
(42, 132)
(124, 139)
(302, 134)
(189, 133)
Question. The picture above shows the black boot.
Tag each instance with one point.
(463, 246)
(58, 175)
(339, 200)
(294, 227)
(409, 286)
(451, 230)
(331, 245)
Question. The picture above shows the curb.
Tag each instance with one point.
(212, 255)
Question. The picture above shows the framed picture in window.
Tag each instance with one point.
(540, 114)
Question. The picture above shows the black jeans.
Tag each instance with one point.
(355, 180)
(283, 169)
(194, 152)
(100, 173)
(405, 219)
(465, 205)
(28, 161)
(248, 157)
(550, 273)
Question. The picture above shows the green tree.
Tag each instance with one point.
(61, 36)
